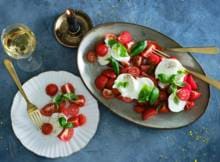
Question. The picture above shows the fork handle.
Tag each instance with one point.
(201, 50)
(206, 79)
(11, 70)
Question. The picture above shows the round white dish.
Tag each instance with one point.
(31, 137)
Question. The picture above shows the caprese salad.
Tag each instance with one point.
(62, 115)
(135, 74)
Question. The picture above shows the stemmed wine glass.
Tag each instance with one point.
(19, 42)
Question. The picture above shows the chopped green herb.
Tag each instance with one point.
(119, 50)
(138, 48)
(111, 42)
(163, 78)
(154, 95)
(176, 99)
(122, 84)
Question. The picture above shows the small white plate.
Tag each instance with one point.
(31, 137)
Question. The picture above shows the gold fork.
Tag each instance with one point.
(33, 112)
(201, 50)
(202, 77)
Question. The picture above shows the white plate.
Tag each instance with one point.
(31, 137)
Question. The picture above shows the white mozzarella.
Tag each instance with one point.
(105, 59)
(168, 67)
(175, 107)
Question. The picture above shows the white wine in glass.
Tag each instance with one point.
(19, 42)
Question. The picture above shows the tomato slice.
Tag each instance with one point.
(136, 60)
(101, 49)
(109, 73)
(149, 113)
(51, 89)
(125, 37)
(73, 109)
(67, 88)
(48, 109)
(107, 93)
(135, 71)
(82, 119)
(125, 99)
(66, 134)
(101, 81)
(46, 128)
(80, 101)
(183, 94)
(189, 105)
(110, 83)
(91, 57)
(194, 95)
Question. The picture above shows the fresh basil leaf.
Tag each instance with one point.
(154, 95)
(176, 99)
(111, 42)
(144, 93)
(138, 48)
(119, 50)
(69, 96)
(58, 99)
(68, 125)
(122, 84)
(115, 66)
(62, 121)
(163, 78)
(183, 71)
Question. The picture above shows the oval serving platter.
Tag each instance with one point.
(89, 72)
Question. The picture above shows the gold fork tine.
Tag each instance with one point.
(33, 111)
(202, 77)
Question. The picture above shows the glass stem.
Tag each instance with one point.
(30, 59)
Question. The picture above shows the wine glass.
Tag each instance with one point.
(19, 42)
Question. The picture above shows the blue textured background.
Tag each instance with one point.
(189, 22)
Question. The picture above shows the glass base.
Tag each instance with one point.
(30, 64)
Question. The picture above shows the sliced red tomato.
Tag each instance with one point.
(125, 99)
(101, 49)
(150, 46)
(73, 110)
(67, 88)
(145, 68)
(75, 121)
(110, 36)
(136, 60)
(164, 109)
(135, 71)
(115, 91)
(80, 101)
(192, 82)
(47, 128)
(63, 108)
(124, 70)
(101, 82)
(149, 113)
(189, 105)
(110, 83)
(82, 119)
(109, 73)
(153, 59)
(139, 109)
(163, 96)
(48, 109)
(125, 37)
(129, 45)
(66, 134)
(51, 89)
(91, 57)
(183, 94)
(194, 95)
(187, 86)
(107, 93)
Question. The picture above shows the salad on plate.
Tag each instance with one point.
(135, 74)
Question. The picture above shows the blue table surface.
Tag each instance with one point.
(117, 140)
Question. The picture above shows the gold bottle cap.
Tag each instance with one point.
(71, 26)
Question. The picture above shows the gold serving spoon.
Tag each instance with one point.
(33, 111)
(200, 50)
(202, 77)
